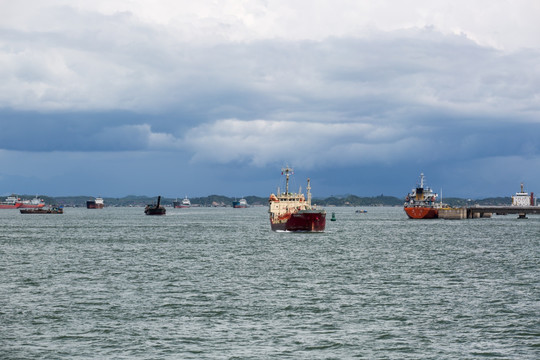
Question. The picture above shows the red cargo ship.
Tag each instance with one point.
(291, 211)
(11, 202)
(35, 203)
(421, 203)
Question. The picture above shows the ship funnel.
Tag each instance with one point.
(158, 201)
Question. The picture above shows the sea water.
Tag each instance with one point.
(217, 283)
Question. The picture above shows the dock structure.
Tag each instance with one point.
(475, 212)
(521, 211)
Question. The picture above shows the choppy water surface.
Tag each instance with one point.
(205, 283)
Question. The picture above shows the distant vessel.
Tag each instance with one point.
(242, 203)
(52, 210)
(156, 209)
(291, 211)
(11, 202)
(522, 198)
(421, 203)
(35, 203)
(185, 203)
(95, 204)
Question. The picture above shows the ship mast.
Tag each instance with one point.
(308, 188)
(287, 170)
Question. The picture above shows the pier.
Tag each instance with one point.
(475, 212)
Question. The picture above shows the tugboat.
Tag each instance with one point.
(421, 203)
(291, 211)
(156, 209)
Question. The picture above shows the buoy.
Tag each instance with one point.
(333, 217)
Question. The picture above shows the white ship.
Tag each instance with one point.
(523, 198)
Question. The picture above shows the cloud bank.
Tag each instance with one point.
(347, 84)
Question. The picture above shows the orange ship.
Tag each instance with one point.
(421, 202)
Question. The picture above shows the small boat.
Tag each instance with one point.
(155, 209)
(361, 211)
(51, 210)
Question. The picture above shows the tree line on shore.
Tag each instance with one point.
(220, 200)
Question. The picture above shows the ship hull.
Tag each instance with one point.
(302, 221)
(155, 210)
(31, 206)
(10, 206)
(421, 212)
(239, 205)
(41, 211)
(93, 205)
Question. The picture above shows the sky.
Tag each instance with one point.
(174, 98)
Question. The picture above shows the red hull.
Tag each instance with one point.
(306, 221)
(421, 212)
(181, 207)
(14, 206)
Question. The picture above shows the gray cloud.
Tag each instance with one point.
(115, 83)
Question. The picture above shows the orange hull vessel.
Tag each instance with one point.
(421, 212)
(421, 203)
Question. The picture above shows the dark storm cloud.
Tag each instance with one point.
(400, 100)
(378, 95)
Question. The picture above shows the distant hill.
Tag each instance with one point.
(220, 200)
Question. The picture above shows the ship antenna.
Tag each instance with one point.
(287, 170)
(308, 188)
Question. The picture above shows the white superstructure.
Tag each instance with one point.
(522, 198)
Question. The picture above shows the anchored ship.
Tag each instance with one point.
(242, 203)
(421, 202)
(51, 210)
(523, 198)
(35, 203)
(292, 212)
(11, 202)
(156, 209)
(185, 203)
(95, 204)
